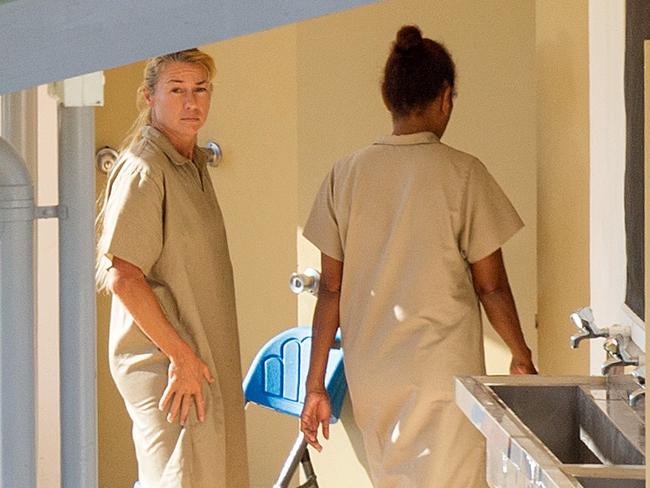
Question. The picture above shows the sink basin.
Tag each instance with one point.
(570, 424)
(609, 483)
(557, 431)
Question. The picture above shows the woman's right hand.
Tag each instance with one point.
(186, 372)
(316, 411)
(186, 375)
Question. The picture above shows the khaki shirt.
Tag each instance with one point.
(162, 215)
(407, 215)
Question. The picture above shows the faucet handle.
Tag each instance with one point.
(639, 374)
(635, 396)
(583, 314)
(613, 347)
(583, 319)
(616, 347)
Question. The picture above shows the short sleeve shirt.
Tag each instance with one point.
(407, 215)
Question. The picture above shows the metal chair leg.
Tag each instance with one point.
(298, 454)
(290, 465)
(309, 471)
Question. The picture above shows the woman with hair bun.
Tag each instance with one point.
(410, 232)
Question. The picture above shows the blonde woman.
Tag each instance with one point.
(174, 346)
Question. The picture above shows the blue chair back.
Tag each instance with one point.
(276, 378)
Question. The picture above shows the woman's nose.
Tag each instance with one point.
(190, 100)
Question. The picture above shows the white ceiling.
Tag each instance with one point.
(48, 40)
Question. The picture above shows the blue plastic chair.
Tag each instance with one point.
(276, 380)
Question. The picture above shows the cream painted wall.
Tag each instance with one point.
(340, 61)
(607, 169)
(562, 54)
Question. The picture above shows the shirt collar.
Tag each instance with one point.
(409, 139)
(159, 139)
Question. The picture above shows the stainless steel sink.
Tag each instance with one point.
(609, 483)
(557, 431)
(570, 424)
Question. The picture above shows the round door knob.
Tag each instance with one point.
(305, 282)
(105, 158)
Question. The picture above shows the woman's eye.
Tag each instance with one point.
(201, 90)
(177, 90)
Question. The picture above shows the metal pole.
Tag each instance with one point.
(17, 352)
(292, 462)
(77, 298)
(19, 114)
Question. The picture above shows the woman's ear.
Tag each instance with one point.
(447, 99)
(147, 96)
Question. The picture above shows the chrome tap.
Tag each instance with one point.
(583, 319)
(639, 374)
(635, 396)
(616, 348)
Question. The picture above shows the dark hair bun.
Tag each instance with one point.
(416, 72)
(408, 37)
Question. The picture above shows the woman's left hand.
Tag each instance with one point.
(522, 366)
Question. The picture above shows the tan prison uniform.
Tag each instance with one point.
(162, 215)
(407, 215)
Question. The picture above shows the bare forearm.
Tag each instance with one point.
(317, 409)
(138, 298)
(326, 321)
(501, 311)
(187, 372)
(493, 289)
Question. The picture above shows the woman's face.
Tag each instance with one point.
(181, 100)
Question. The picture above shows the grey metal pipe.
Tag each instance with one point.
(17, 351)
(19, 127)
(77, 297)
